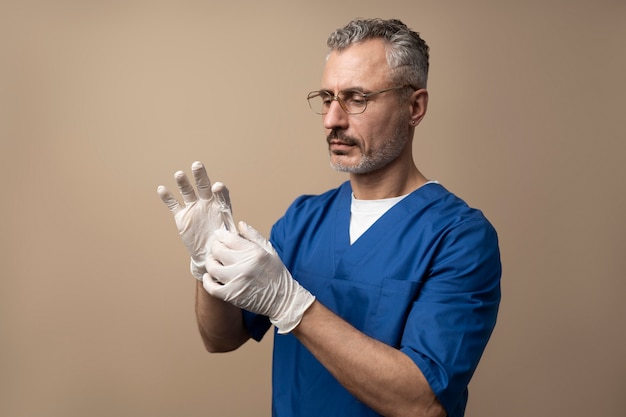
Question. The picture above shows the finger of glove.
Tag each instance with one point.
(213, 286)
(218, 272)
(185, 187)
(222, 196)
(203, 183)
(255, 236)
(237, 293)
(222, 200)
(229, 249)
(169, 200)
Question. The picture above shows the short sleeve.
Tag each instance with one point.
(453, 317)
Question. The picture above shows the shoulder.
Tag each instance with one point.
(308, 210)
(450, 225)
(310, 205)
(462, 237)
(316, 200)
(442, 208)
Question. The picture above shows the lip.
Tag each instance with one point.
(340, 143)
(341, 147)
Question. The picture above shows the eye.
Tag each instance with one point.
(355, 99)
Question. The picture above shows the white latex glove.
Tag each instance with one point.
(202, 214)
(246, 271)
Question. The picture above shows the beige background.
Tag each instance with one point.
(100, 102)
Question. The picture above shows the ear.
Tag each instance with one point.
(419, 104)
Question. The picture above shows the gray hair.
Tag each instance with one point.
(407, 53)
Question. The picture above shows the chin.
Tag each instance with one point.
(339, 163)
(350, 169)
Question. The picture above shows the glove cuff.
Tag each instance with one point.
(197, 269)
(292, 315)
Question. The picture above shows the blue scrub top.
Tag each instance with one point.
(425, 278)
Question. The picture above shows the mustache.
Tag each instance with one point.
(341, 137)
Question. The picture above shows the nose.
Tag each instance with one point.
(336, 117)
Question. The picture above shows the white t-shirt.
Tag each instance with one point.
(364, 213)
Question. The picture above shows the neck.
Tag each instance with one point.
(388, 182)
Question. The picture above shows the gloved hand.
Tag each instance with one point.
(201, 215)
(246, 271)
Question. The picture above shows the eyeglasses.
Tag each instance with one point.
(351, 101)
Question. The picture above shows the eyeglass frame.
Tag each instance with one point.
(335, 97)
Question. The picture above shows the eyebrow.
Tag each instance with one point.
(348, 90)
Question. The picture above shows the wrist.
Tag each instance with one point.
(291, 316)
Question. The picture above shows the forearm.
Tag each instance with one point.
(220, 323)
(380, 376)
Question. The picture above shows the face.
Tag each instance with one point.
(370, 141)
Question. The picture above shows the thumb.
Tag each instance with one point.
(250, 233)
(212, 286)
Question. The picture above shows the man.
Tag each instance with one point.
(384, 291)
